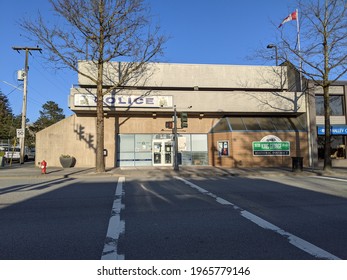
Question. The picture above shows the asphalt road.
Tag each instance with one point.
(164, 217)
(172, 220)
(54, 219)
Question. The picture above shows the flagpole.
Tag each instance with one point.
(307, 95)
(299, 47)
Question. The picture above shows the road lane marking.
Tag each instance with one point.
(293, 239)
(154, 193)
(116, 226)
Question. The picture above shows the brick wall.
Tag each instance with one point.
(241, 154)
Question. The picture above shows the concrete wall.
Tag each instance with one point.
(211, 101)
(74, 136)
(157, 125)
(194, 75)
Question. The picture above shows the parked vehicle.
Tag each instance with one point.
(14, 153)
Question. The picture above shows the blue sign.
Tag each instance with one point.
(334, 130)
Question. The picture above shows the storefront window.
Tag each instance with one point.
(338, 148)
(136, 149)
(336, 105)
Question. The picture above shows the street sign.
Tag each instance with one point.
(20, 133)
(334, 129)
(271, 148)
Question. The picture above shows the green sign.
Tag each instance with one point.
(271, 148)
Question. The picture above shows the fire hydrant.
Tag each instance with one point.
(43, 167)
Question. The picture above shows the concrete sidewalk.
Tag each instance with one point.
(30, 170)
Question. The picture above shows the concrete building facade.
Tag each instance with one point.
(238, 116)
(338, 121)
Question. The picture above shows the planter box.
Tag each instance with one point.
(67, 162)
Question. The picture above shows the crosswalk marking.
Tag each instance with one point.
(116, 226)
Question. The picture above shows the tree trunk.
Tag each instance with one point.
(100, 163)
(327, 148)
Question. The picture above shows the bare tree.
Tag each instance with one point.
(323, 55)
(100, 31)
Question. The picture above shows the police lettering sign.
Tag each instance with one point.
(271, 148)
(115, 100)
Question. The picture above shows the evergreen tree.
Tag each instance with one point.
(7, 129)
(50, 114)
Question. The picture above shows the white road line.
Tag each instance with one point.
(294, 240)
(116, 226)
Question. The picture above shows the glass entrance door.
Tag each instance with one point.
(162, 152)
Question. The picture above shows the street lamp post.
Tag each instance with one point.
(272, 46)
(176, 167)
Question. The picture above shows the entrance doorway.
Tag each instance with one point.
(162, 152)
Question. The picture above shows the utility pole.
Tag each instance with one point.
(25, 89)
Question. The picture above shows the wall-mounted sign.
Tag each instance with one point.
(274, 147)
(334, 130)
(112, 100)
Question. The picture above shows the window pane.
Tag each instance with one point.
(303, 121)
(266, 124)
(126, 142)
(221, 126)
(336, 105)
(236, 123)
(199, 158)
(186, 158)
(126, 159)
(251, 123)
(199, 142)
(184, 142)
(298, 123)
(143, 142)
(282, 124)
(143, 159)
(319, 105)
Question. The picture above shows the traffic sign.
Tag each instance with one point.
(20, 133)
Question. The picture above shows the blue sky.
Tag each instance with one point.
(200, 31)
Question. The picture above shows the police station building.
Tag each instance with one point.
(227, 115)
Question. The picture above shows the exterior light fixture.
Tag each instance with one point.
(272, 46)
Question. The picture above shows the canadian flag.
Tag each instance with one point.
(292, 16)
